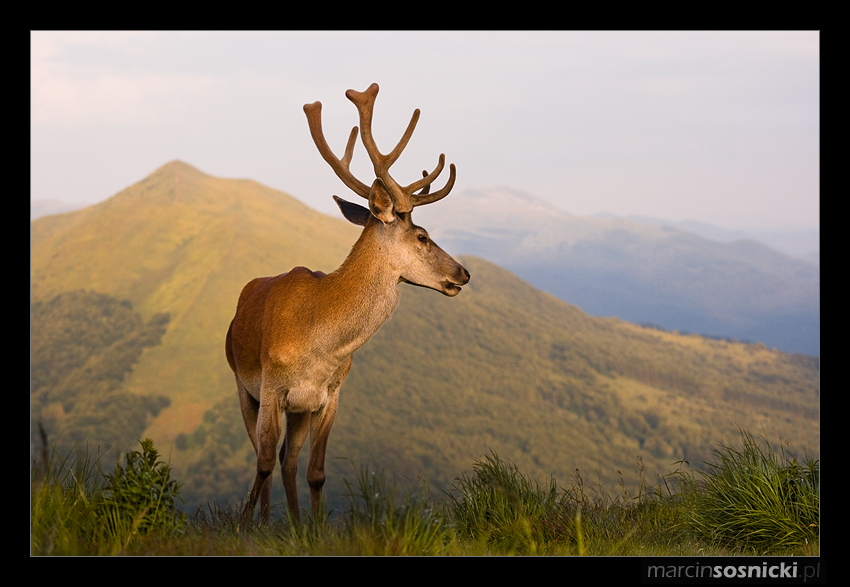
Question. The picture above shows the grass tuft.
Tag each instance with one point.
(754, 497)
(498, 506)
(388, 522)
(63, 498)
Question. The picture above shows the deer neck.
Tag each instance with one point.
(367, 289)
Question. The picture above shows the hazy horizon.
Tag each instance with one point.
(797, 242)
(716, 127)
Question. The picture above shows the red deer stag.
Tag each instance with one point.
(293, 336)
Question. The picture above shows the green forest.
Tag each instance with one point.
(83, 345)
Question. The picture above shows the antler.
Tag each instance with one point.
(340, 166)
(404, 198)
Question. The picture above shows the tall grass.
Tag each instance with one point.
(63, 499)
(498, 506)
(395, 522)
(381, 519)
(505, 512)
(77, 509)
(755, 497)
(751, 500)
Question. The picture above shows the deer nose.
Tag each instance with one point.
(465, 275)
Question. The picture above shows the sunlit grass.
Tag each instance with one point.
(755, 497)
(76, 509)
(750, 501)
(63, 495)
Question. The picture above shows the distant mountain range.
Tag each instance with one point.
(643, 272)
(642, 269)
(799, 243)
(503, 366)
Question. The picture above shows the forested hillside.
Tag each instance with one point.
(502, 366)
(83, 345)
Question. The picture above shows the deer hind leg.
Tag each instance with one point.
(250, 410)
(297, 427)
(320, 428)
(265, 433)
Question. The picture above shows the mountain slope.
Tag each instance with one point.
(188, 242)
(509, 367)
(640, 272)
(502, 366)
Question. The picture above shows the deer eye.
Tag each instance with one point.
(423, 239)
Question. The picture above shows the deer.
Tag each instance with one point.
(291, 342)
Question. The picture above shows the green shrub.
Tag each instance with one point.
(140, 498)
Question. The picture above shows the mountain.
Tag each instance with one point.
(726, 283)
(185, 241)
(800, 243)
(503, 366)
(644, 273)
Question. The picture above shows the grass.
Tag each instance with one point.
(497, 506)
(751, 500)
(77, 509)
(755, 497)
(62, 505)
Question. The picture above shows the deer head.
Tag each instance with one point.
(419, 260)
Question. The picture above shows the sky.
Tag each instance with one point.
(719, 127)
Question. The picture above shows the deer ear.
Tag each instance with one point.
(354, 213)
(380, 202)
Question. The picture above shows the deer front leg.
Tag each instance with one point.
(320, 428)
(267, 436)
(297, 427)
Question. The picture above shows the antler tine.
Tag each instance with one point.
(427, 178)
(365, 102)
(427, 187)
(349, 148)
(340, 166)
(427, 198)
(405, 138)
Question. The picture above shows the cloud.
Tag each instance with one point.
(67, 89)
